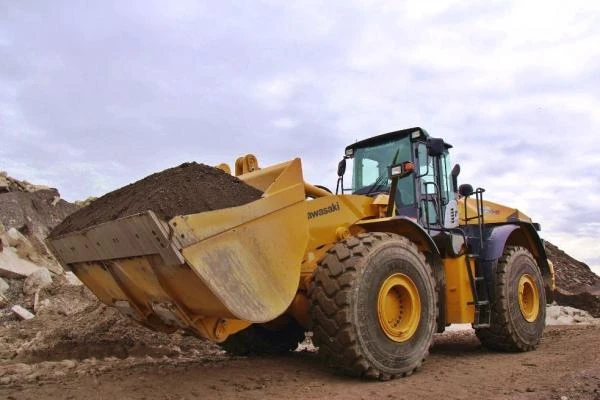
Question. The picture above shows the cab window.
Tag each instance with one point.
(370, 169)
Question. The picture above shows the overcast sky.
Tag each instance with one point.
(94, 95)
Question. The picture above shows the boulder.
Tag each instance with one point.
(12, 266)
(37, 280)
(25, 249)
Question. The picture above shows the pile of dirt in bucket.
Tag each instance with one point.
(187, 189)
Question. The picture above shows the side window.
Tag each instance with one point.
(369, 172)
(428, 207)
(446, 185)
(422, 159)
(426, 170)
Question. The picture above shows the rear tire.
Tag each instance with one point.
(373, 306)
(258, 340)
(519, 309)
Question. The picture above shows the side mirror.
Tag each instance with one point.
(465, 190)
(435, 147)
(342, 167)
(454, 174)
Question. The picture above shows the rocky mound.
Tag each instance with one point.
(187, 189)
(576, 284)
(9, 184)
(27, 213)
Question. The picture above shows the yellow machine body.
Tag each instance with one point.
(492, 212)
(217, 272)
(459, 297)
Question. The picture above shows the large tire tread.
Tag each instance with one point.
(502, 335)
(330, 309)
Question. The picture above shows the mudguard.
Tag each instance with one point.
(498, 236)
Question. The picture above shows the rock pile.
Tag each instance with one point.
(27, 213)
(565, 315)
(8, 184)
(576, 284)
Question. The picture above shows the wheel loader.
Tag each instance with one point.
(373, 271)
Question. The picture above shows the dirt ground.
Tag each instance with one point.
(567, 365)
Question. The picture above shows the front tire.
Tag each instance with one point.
(373, 306)
(519, 309)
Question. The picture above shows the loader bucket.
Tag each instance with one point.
(239, 263)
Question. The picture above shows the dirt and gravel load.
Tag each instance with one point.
(186, 189)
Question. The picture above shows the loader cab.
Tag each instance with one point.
(425, 193)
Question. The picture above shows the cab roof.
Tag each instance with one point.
(385, 137)
(401, 134)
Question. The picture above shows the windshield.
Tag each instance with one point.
(370, 169)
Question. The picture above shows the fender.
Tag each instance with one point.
(403, 226)
(498, 236)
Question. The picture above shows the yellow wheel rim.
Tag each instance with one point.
(529, 298)
(399, 307)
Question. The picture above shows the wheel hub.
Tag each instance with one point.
(399, 307)
(529, 298)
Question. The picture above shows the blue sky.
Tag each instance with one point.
(94, 95)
